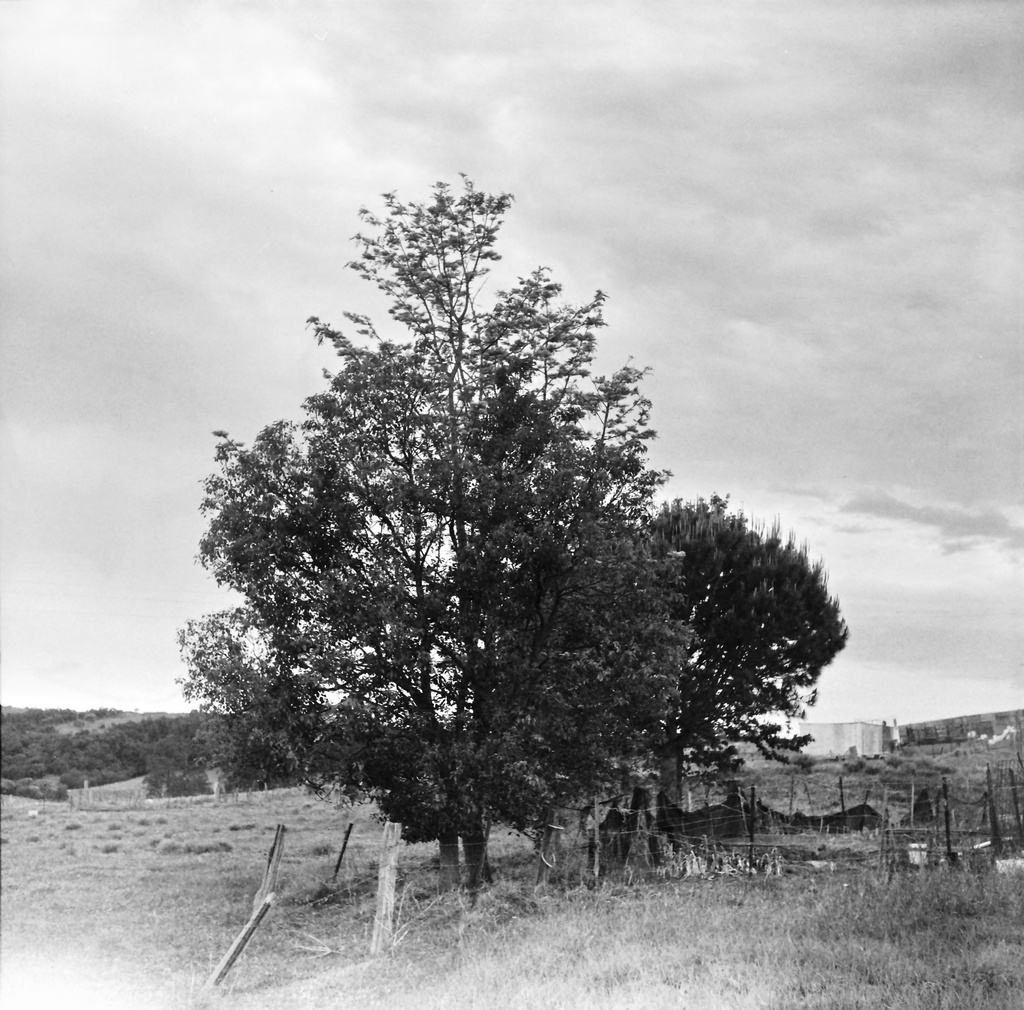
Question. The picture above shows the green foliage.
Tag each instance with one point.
(250, 732)
(445, 598)
(167, 780)
(32, 749)
(74, 778)
(762, 624)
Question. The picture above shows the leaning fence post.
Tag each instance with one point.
(993, 814)
(269, 882)
(382, 920)
(241, 942)
(341, 855)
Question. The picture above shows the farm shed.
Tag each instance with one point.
(834, 739)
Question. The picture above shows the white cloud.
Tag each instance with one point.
(808, 218)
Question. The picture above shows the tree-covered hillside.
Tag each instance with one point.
(41, 757)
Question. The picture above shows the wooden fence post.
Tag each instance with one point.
(950, 858)
(842, 802)
(882, 831)
(546, 853)
(753, 825)
(341, 855)
(810, 802)
(269, 882)
(241, 942)
(597, 840)
(993, 814)
(792, 787)
(864, 809)
(382, 920)
(1016, 805)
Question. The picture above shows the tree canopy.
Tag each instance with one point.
(762, 627)
(458, 593)
(448, 598)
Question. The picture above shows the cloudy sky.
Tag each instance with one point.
(808, 218)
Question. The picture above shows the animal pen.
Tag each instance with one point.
(910, 822)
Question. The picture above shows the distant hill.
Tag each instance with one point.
(51, 750)
(67, 721)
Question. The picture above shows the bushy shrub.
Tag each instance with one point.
(178, 782)
(35, 789)
(28, 788)
(73, 779)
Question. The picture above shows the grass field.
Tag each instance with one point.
(135, 908)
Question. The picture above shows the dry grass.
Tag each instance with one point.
(135, 908)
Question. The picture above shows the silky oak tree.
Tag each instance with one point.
(448, 598)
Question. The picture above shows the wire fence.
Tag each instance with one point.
(112, 797)
(916, 820)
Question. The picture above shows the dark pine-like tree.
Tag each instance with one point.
(762, 626)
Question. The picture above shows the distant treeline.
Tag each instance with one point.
(37, 760)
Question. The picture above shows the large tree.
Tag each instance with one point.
(762, 627)
(446, 599)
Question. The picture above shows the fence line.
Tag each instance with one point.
(913, 819)
(110, 797)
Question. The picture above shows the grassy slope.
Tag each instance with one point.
(136, 907)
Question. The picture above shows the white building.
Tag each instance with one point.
(838, 739)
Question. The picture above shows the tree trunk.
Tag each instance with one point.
(474, 850)
(449, 875)
(546, 851)
(669, 777)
